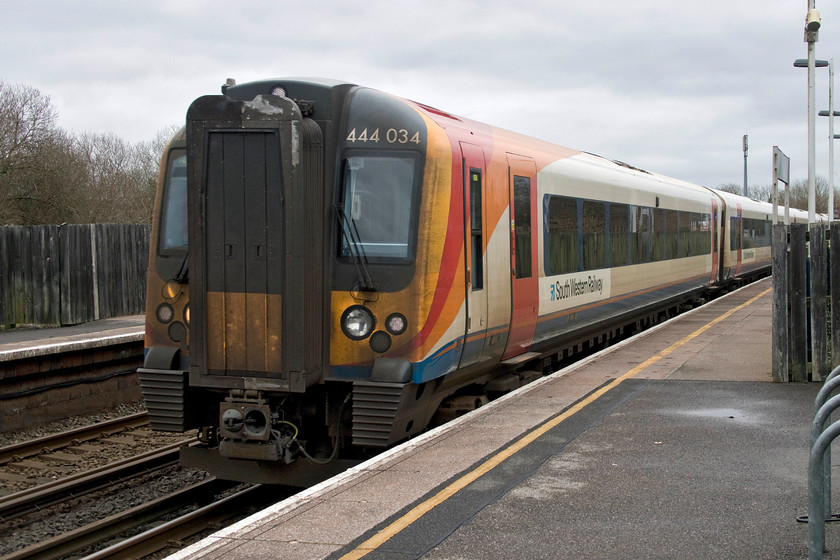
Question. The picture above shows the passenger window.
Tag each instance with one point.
(594, 235)
(658, 243)
(561, 236)
(734, 233)
(641, 234)
(619, 235)
(672, 232)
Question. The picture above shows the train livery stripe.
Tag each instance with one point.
(421, 509)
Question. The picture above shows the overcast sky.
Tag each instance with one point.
(671, 87)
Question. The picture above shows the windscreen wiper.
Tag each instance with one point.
(183, 272)
(348, 227)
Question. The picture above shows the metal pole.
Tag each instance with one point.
(830, 140)
(812, 182)
(812, 25)
(775, 186)
(746, 147)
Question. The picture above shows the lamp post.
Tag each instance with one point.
(810, 63)
(812, 33)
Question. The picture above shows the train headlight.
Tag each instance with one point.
(171, 290)
(187, 314)
(165, 313)
(396, 323)
(357, 322)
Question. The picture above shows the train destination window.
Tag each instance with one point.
(173, 229)
(378, 199)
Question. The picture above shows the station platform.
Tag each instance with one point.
(675, 444)
(31, 342)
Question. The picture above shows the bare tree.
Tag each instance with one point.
(27, 127)
(755, 192)
(799, 195)
(50, 176)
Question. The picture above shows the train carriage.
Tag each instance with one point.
(331, 264)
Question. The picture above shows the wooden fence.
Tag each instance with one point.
(70, 274)
(806, 321)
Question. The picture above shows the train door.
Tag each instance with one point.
(522, 177)
(737, 233)
(715, 242)
(473, 168)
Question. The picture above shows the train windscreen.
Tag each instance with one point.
(173, 229)
(378, 198)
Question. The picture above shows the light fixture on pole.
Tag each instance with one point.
(812, 33)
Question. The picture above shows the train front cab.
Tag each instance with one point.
(306, 290)
(249, 368)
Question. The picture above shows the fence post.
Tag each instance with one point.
(819, 316)
(781, 333)
(798, 319)
(94, 271)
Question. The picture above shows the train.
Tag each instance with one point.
(333, 269)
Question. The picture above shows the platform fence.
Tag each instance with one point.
(806, 326)
(71, 274)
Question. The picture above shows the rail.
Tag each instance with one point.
(57, 441)
(45, 495)
(177, 530)
(101, 531)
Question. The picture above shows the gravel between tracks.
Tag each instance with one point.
(17, 436)
(19, 533)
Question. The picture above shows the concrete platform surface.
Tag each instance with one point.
(675, 444)
(27, 342)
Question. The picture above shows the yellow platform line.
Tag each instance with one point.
(423, 508)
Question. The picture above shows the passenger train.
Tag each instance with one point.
(331, 266)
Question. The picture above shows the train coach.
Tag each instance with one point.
(332, 266)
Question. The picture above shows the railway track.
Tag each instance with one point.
(180, 513)
(198, 522)
(36, 465)
(51, 443)
(207, 512)
(75, 486)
